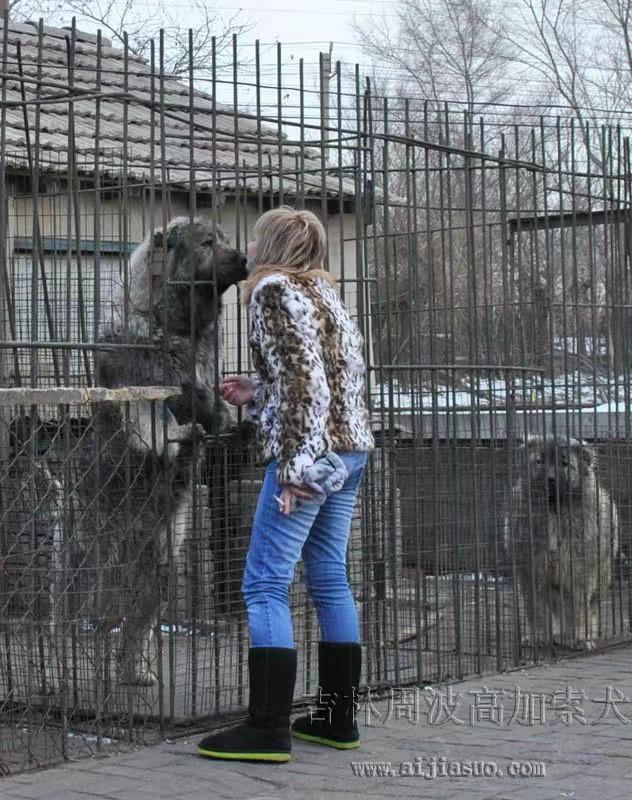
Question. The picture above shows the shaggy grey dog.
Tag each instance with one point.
(192, 252)
(140, 483)
(563, 528)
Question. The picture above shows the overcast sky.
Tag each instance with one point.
(304, 28)
(308, 25)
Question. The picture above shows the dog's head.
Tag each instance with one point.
(187, 254)
(560, 468)
(198, 250)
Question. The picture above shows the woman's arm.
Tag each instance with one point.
(284, 325)
(254, 406)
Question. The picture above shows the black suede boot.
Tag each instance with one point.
(265, 736)
(332, 722)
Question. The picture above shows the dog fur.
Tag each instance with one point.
(140, 483)
(563, 529)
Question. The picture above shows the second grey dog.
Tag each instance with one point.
(563, 528)
(140, 483)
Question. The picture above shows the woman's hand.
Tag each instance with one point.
(288, 492)
(238, 390)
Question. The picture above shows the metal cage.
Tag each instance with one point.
(487, 263)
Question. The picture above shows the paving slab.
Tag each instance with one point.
(559, 731)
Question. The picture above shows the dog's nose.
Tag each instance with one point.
(243, 260)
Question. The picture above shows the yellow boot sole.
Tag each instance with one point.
(308, 737)
(276, 757)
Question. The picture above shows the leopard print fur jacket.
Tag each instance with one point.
(310, 375)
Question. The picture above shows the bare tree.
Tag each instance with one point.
(443, 49)
(126, 21)
(438, 57)
(614, 56)
(580, 51)
(471, 55)
(553, 42)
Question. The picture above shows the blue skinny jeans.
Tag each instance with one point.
(318, 533)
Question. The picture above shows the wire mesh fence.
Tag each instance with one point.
(487, 265)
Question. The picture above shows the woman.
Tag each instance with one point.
(308, 399)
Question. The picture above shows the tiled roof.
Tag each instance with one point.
(54, 115)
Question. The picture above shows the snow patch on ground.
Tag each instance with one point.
(570, 390)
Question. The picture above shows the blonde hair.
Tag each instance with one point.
(289, 242)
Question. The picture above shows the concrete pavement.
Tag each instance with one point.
(555, 732)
